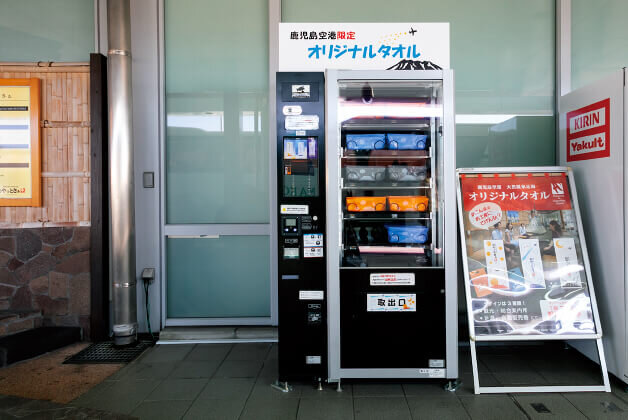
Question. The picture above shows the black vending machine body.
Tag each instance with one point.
(301, 226)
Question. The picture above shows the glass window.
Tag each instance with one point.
(216, 57)
(503, 55)
(221, 277)
(599, 39)
(44, 30)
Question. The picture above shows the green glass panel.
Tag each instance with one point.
(599, 39)
(46, 30)
(216, 278)
(216, 58)
(503, 56)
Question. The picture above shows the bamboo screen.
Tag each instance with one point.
(65, 147)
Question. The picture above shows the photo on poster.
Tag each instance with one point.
(532, 263)
(568, 263)
(496, 264)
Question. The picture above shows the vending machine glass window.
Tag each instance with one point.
(390, 172)
(300, 167)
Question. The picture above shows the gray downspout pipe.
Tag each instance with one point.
(121, 184)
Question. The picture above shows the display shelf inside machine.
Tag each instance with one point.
(388, 180)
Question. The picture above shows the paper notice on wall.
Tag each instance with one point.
(496, 267)
(567, 260)
(531, 263)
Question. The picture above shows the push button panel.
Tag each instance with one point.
(290, 225)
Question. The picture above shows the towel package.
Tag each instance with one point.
(407, 234)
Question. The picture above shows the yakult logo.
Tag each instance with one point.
(588, 132)
(586, 144)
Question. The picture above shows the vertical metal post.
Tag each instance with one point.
(274, 17)
(121, 185)
(563, 47)
(563, 60)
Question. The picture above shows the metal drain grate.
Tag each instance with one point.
(107, 353)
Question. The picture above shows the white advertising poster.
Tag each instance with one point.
(532, 263)
(496, 264)
(391, 302)
(363, 46)
(567, 262)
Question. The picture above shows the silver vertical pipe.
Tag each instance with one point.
(121, 187)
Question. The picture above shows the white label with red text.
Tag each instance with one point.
(392, 279)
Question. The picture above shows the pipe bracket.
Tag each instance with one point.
(124, 285)
(119, 52)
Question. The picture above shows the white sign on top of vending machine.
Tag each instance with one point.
(593, 122)
(363, 46)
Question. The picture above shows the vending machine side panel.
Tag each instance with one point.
(591, 142)
(301, 226)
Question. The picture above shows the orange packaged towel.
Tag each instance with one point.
(366, 203)
(408, 203)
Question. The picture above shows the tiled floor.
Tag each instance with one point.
(23, 408)
(232, 381)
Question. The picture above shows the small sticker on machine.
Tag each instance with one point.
(392, 279)
(292, 110)
(312, 360)
(436, 373)
(301, 122)
(311, 295)
(436, 363)
(313, 252)
(294, 209)
(313, 245)
(433, 373)
(300, 91)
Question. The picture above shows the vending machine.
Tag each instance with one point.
(367, 225)
(391, 225)
(593, 125)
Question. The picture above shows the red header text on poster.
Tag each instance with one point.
(487, 195)
(588, 132)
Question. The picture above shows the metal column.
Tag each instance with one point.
(121, 185)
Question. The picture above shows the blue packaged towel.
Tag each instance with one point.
(407, 234)
(366, 141)
(407, 141)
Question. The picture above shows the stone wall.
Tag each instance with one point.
(47, 269)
